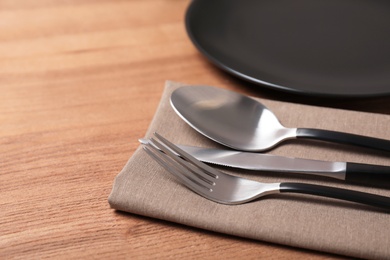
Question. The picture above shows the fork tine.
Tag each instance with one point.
(181, 173)
(179, 159)
(207, 169)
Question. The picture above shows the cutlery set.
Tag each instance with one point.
(247, 126)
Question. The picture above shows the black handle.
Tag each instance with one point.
(337, 193)
(375, 175)
(344, 138)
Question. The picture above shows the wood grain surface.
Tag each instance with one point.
(80, 82)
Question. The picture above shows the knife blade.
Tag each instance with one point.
(366, 174)
(266, 162)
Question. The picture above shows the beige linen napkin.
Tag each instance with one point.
(145, 188)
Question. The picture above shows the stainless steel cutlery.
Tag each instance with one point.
(228, 189)
(364, 174)
(243, 123)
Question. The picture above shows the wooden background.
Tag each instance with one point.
(80, 81)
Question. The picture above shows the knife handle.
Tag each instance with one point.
(344, 138)
(375, 175)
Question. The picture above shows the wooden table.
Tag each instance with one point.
(80, 81)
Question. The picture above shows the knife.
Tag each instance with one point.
(366, 174)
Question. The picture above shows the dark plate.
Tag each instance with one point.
(337, 48)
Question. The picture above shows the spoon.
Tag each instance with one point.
(242, 123)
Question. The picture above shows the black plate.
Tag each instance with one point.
(315, 47)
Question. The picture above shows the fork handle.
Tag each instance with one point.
(344, 138)
(336, 193)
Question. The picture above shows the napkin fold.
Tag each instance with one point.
(145, 188)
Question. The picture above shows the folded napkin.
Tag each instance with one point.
(145, 188)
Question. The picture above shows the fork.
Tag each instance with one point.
(228, 189)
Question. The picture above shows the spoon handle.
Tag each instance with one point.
(344, 138)
(336, 193)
